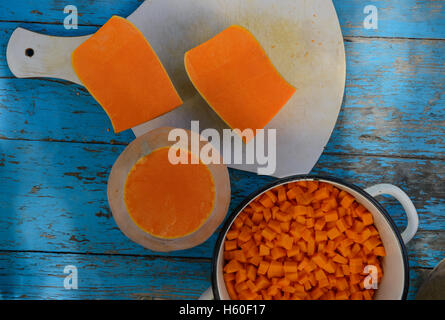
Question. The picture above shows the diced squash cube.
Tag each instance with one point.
(333, 233)
(233, 266)
(275, 269)
(379, 251)
(277, 253)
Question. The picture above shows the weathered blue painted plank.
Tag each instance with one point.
(25, 275)
(394, 99)
(397, 18)
(53, 198)
(393, 103)
(53, 194)
(41, 276)
(48, 110)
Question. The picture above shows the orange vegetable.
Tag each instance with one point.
(275, 269)
(294, 251)
(340, 259)
(379, 251)
(300, 210)
(230, 245)
(244, 236)
(264, 250)
(239, 255)
(272, 196)
(241, 276)
(281, 195)
(251, 272)
(232, 234)
(331, 216)
(268, 234)
(178, 203)
(234, 75)
(290, 267)
(233, 266)
(285, 241)
(347, 201)
(321, 236)
(231, 290)
(372, 243)
(277, 253)
(122, 72)
(261, 282)
(319, 224)
(341, 295)
(257, 217)
(274, 225)
(341, 225)
(319, 253)
(263, 267)
(333, 233)
(321, 194)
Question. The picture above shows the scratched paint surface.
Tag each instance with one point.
(57, 148)
(139, 277)
(397, 18)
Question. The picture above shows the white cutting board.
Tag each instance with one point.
(302, 38)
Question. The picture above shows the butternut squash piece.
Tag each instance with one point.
(123, 73)
(177, 204)
(234, 75)
(318, 254)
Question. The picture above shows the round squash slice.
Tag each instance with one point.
(169, 200)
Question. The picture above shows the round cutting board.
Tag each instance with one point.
(302, 38)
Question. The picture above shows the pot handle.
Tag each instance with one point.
(207, 295)
(405, 201)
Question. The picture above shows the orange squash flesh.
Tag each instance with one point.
(166, 200)
(234, 75)
(123, 73)
(292, 257)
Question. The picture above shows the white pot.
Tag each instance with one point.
(395, 282)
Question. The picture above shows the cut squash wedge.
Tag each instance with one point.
(234, 75)
(123, 73)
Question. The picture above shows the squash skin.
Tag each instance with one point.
(122, 72)
(234, 75)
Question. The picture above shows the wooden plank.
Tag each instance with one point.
(53, 197)
(59, 199)
(394, 99)
(397, 18)
(34, 275)
(392, 106)
(54, 111)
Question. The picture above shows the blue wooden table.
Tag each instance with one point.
(57, 148)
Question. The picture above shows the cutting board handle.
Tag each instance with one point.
(31, 54)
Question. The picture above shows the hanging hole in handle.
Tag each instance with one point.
(29, 52)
